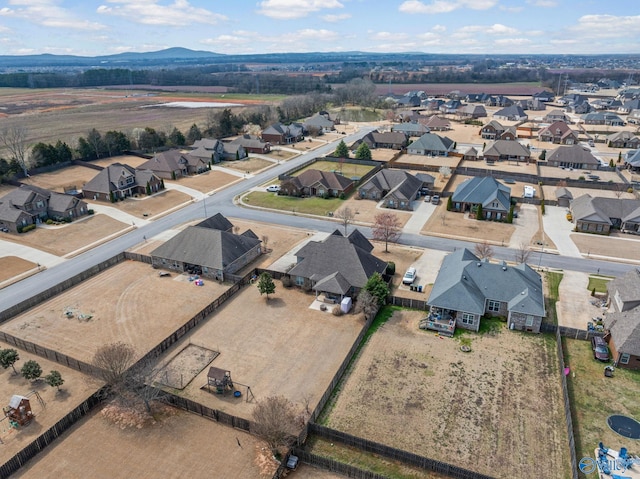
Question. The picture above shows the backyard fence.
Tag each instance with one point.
(393, 453)
(567, 332)
(50, 435)
(143, 258)
(332, 465)
(407, 302)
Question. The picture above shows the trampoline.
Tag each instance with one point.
(624, 425)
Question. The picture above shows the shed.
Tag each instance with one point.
(18, 411)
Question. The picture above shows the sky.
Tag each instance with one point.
(90, 28)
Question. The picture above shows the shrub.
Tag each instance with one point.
(391, 268)
(25, 229)
(286, 281)
(336, 311)
(49, 221)
(542, 210)
(342, 196)
(90, 212)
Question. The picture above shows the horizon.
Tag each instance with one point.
(455, 27)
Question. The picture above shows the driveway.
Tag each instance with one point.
(420, 216)
(9, 248)
(117, 214)
(186, 190)
(427, 267)
(574, 307)
(526, 226)
(558, 229)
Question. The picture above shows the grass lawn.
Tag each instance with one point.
(599, 283)
(595, 397)
(553, 283)
(349, 170)
(312, 205)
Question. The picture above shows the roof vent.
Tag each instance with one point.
(464, 277)
(479, 264)
(523, 293)
(504, 268)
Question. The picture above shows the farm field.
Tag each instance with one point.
(76, 388)
(276, 347)
(178, 445)
(594, 398)
(65, 239)
(128, 302)
(454, 401)
(11, 266)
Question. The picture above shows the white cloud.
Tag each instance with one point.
(386, 36)
(150, 12)
(607, 26)
(444, 6)
(47, 13)
(290, 9)
(543, 3)
(495, 29)
(512, 41)
(332, 18)
(439, 28)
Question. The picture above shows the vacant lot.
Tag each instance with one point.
(595, 397)
(366, 210)
(452, 224)
(455, 401)
(11, 266)
(450, 161)
(150, 206)
(207, 181)
(277, 347)
(180, 445)
(76, 388)
(70, 176)
(350, 170)
(620, 246)
(128, 302)
(250, 164)
(62, 240)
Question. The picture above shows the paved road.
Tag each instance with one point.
(223, 202)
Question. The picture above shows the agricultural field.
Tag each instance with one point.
(128, 302)
(454, 400)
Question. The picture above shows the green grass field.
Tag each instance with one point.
(349, 170)
(599, 283)
(312, 205)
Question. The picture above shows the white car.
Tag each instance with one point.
(273, 188)
(410, 276)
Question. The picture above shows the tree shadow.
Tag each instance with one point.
(275, 303)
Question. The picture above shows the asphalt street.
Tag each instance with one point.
(223, 202)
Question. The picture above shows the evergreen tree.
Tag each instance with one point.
(194, 134)
(342, 151)
(378, 288)
(449, 204)
(148, 189)
(363, 152)
(266, 284)
(479, 213)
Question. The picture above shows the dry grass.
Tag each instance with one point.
(62, 240)
(56, 180)
(11, 266)
(619, 246)
(454, 401)
(206, 182)
(450, 161)
(130, 160)
(150, 206)
(251, 164)
(366, 210)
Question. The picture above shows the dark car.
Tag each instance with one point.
(600, 349)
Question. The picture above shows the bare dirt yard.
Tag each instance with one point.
(128, 302)
(486, 410)
(207, 181)
(508, 166)
(276, 347)
(561, 174)
(70, 176)
(76, 388)
(150, 206)
(383, 154)
(619, 246)
(65, 239)
(251, 164)
(450, 161)
(177, 445)
(11, 266)
(366, 210)
(455, 225)
(130, 160)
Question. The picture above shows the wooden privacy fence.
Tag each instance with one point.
(50, 435)
(142, 258)
(395, 454)
(573, 333)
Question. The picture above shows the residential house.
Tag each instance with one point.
(545, 96)
(503, 150)
(435, 123)
(467, 288)
(622, 322)
(316, 183)
(409, 116)
(511, 113)
(281, 134)
(574, 156)
(394, 140)
(217, 222)
(432, 104)
(396, 188)
(535, 104)
(319, 124)
(602, 118)
(336, 267)
(563, 196)
(13, 218)
(208, 149)
(556, 115)
(634, 117)
(472, 111)
(494, 197)
(168, 165)
(471, 154)
(119, 181)
(450, 106)
(632, 160)
(601, 215)
(432, 145)
(629, 105)
(233, 151)
(623, 139)
(252, 144)
(503, 101)
(494, 130)
(411, 129)
(558, 132)
(207, 251)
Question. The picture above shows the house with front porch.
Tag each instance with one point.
(601, 215)
(467, 289)
(119, 181)
(317, 183)
(281, 134)
(494, 197)
(506, 150)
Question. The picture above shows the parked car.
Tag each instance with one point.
(600, 349)
(435, 199)
(410, 276)
(273, 188)
(427, 198)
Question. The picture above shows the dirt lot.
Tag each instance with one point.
(207, 181)
(450, 161)
(619, 246)
(457, 226)
(553, 172)
(250, 164)
(130, 160)
(62, 240)
(366, 210)
(206, 449)
(128, 302)
(508, 166)
(454, 401)
(11, 266)
(76, 388)
(150, 206)
(277, 347)
(56, 180)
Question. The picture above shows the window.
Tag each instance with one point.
(39, 204)
(299, 280)
(624, 358)
(468, 318)
(493, 306)
(529, 321)
(599, 228)
(584, 226)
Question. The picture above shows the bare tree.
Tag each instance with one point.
(367, 303)
(265, 242)
(14, 140)
(386, 227)
(522, 253)
(484, 250)
(346, 216)
(443, 218)
(445, 171)
(618, 189)
(276, 421)
(112, 361)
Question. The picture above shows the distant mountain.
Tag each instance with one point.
(169, 53)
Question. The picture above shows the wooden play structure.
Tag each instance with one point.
(219, 382)
(18, 412)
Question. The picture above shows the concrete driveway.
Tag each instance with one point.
(427, 267)
(526, 224)
(9, 248)
(559, 229)
(421, 214)
(575, 308)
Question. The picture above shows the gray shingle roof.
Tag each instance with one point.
(328, 179)
(216, 222)
(482, 190)
(562, 192)
(625, 330)
(513, 111)
(573, 154)
(464, 283)
(394, 181)
(506, 147)
(601, 210)
(432, 142)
